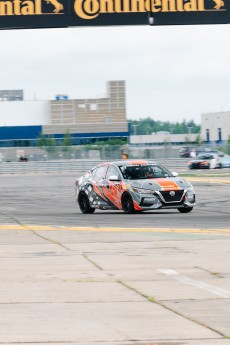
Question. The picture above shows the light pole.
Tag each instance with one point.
(135, 129)
(189, 133)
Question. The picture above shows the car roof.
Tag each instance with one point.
(207, 154)
(129, 162)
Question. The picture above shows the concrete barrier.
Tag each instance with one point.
(80, 166)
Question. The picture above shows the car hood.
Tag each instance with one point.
(161, 184)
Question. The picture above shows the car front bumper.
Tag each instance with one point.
(157, 201)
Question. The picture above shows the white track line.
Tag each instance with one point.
(183, 279)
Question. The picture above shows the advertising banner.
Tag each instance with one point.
(66, 13)
(19, 14)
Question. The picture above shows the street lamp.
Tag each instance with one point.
(189, 133)
(135, 129)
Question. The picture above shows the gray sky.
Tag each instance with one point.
(171, 72)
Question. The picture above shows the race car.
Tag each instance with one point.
(205, 161)
(225, 162)
(132, 186)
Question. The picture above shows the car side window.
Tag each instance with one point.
(112, 171)
(100, 172)
(93, 171)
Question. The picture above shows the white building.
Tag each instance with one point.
(23, 113)
(86, 120)
(161, 138)
(215, 127)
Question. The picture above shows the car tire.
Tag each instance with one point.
(185, 209)
(84, 204)
(127, 203)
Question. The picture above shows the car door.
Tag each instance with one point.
(99, 180)
(113, 189)
(213, 162)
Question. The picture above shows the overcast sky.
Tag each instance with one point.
(171, 72)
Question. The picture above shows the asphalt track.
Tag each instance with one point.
(49, 200)
(109, 278)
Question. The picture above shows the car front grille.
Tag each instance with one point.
(172, 198)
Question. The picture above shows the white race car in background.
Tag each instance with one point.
(205, 161)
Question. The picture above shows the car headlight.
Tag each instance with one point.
(190, 190)
(142, 190)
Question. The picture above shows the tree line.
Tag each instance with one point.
(139, 127)
(149, 126)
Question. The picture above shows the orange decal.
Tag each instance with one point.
(166, 184)
(113, 193)
(136, 206)
(98, 191)
(137, 162)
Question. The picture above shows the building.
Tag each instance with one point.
(163, 138)
(215, 127)
(11, 95)
(86, 120)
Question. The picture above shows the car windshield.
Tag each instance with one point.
(140, 172)
(206, 157)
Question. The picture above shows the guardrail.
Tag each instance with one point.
(80, 166)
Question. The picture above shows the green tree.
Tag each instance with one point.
(228, 146)
(148, 126)
(45, 141)
(67, 139)
(50, 144)
(41, 142)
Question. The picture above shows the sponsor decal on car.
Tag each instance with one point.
(166, 184)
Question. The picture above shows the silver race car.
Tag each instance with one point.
(133, 185)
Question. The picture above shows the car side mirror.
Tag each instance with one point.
(114, 178)
(175, 174)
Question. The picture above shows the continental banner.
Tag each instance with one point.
(66, 13)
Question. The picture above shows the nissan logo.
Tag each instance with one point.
(172, 193)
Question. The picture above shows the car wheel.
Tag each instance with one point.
(185, 209)
(84, 204)
(127, 203)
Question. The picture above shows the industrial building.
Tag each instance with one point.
(215, 130)
(163, 138)
(90, 120)
(86, 120)
(215, 127)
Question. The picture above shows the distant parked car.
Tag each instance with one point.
(225, 162)
(205, 161)
(23, 159)
(220, 154)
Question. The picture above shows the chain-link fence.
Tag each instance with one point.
(95, 152)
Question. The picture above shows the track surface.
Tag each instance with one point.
(156, 278)
(50, 200)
